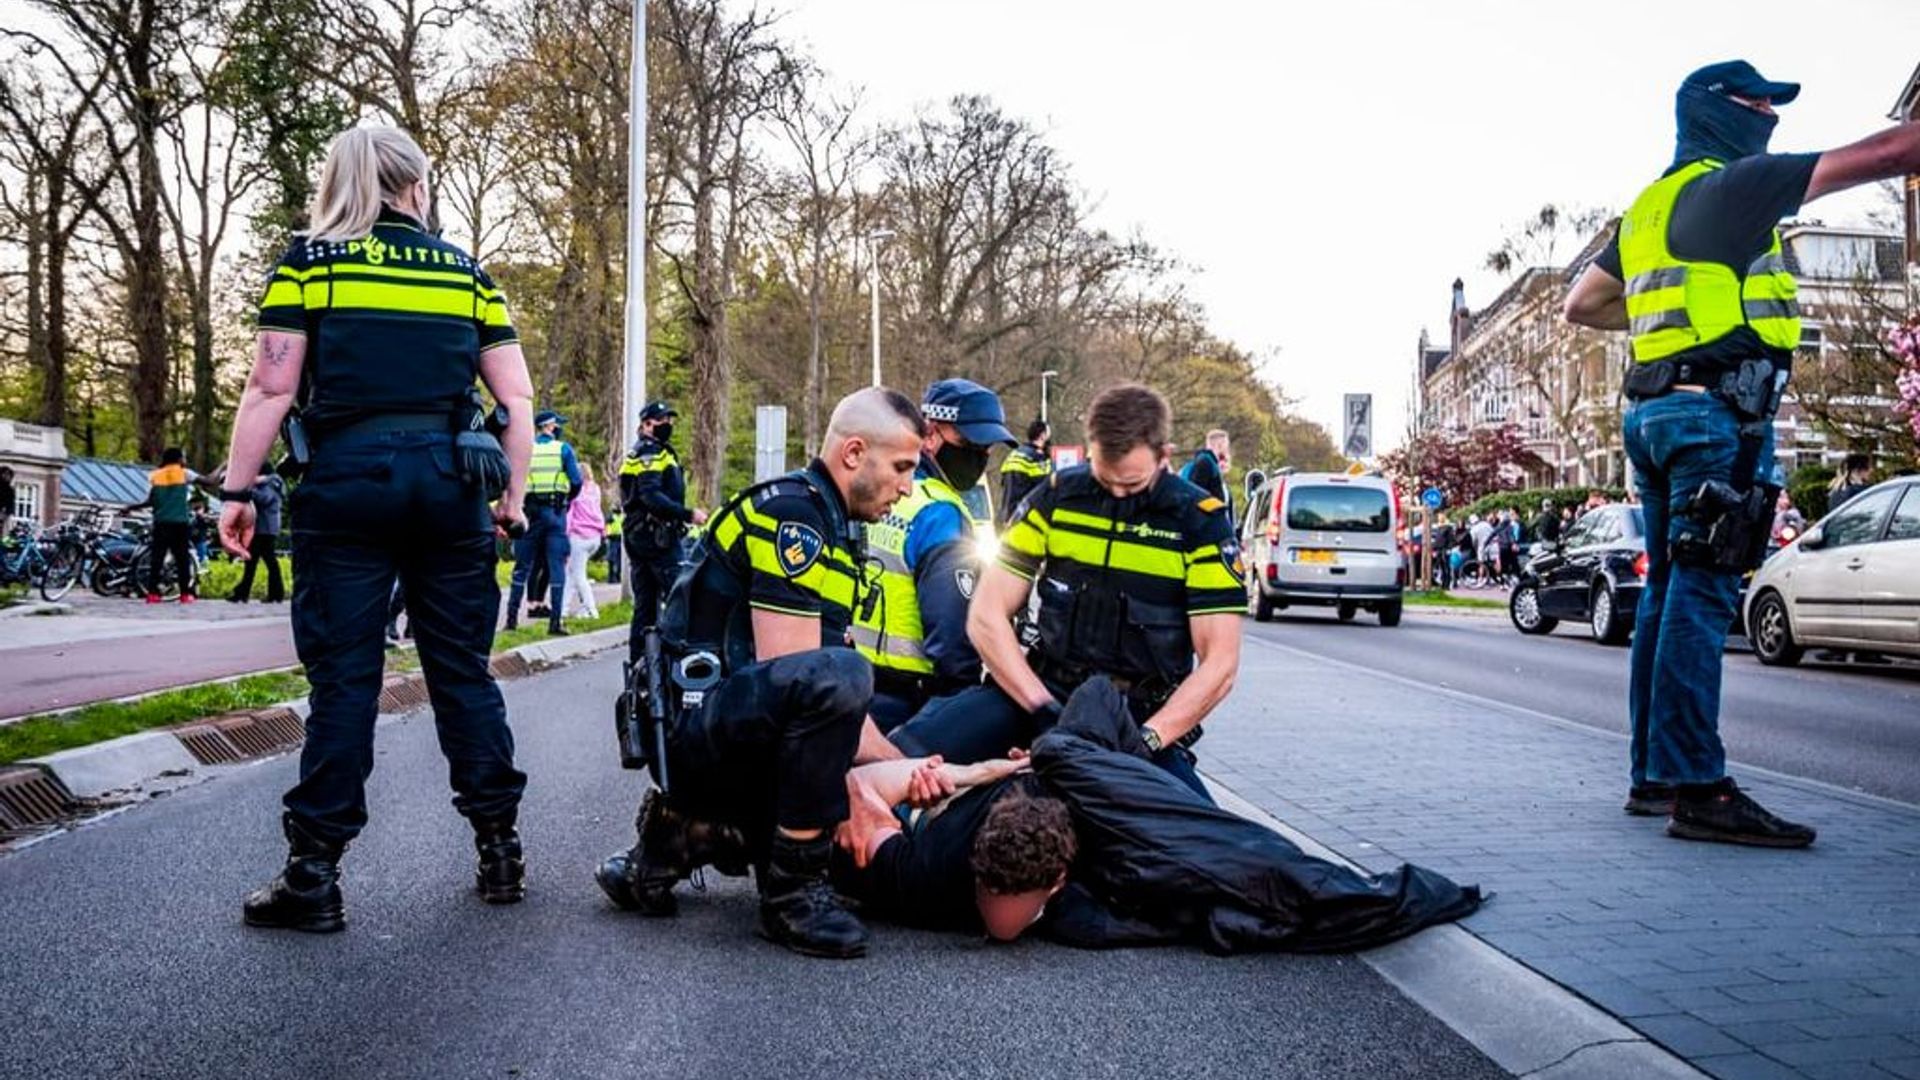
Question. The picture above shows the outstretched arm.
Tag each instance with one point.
(1890, 153)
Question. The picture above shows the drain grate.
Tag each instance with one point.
(402, 693)
(510, 666)
(245, 733)
(283, 725)
(29, 798)
(208, 744)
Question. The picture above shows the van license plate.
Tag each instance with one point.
(1315, 555)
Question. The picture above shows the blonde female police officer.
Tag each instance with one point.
(381, 327)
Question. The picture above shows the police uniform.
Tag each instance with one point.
(770, 744)
(553, 480)
(912, 624)
(616, 545)
(395, 326)
(1025, 468)
(653, 496)
(1118, 579)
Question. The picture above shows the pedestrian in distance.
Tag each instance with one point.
(1208, 470)
(7, 498)
(553, 482)
(1854, 477)
(168, 489)
(1696, 276)
(269, 491)
(1546, 525)
(586, 531)
(398, 482)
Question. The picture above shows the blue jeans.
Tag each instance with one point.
(545, 540)
(1677, 443)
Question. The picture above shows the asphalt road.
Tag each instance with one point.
(1850, 725)
(124, 956)
(46, 677)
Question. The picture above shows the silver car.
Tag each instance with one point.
(1326, 540)
(1852, 582)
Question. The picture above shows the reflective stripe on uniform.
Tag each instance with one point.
(890, 633)
(547, 472)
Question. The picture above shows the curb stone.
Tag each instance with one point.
(132, 762)
(1526, 1023)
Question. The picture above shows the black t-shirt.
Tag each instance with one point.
(1728, 217)
(924, 876)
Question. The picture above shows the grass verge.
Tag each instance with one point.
(1436, 598)
(52, 732)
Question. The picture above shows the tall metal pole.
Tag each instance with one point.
(634, 384)
(873, 291)
(1045, 377)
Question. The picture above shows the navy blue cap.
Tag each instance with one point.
(656, 410)
(1739, 77)
(972, 408)
(547, 416)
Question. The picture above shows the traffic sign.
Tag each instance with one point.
(1434, 498)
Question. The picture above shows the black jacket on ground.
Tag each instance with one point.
(1159, 865)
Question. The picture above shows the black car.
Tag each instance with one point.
(1593, 574)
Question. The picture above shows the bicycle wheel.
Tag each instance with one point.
(61, 571)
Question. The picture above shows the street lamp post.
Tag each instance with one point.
(1045, 377)
(874, 240)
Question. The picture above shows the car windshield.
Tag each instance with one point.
(1334, 508)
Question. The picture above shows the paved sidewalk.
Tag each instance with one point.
(1750, 963)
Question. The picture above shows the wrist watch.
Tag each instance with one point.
(244, 495)
(1153, 740)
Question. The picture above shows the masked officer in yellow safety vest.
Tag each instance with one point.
(913, 626)
(1698, 278)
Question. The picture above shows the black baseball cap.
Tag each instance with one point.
(656, 410)
(972, 408)
(1739, 77)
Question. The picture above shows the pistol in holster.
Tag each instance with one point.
(293, 431)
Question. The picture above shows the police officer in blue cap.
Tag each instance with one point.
(1698, 278)
(912, 621)
(553, 480)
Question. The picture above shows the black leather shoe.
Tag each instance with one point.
(1722, 813)
(798, 907)
(1650, 799)
(554, 629)
(501, 875)
(306, 894)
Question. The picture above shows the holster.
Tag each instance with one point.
(478, 457)
(1726, 526)
(293, 431)
(643, 712)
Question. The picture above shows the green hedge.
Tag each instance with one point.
(1808, 485)
(221, 576)
(1527, 503)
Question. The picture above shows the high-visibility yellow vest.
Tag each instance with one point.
(548, 473)
(888, 631)
(1674, 304)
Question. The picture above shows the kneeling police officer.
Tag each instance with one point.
(767, 707)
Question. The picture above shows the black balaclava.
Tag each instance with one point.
(1715, 126)
(961, 465)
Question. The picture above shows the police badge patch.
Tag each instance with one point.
(799, 547)
(1236, 565)
(964, 579)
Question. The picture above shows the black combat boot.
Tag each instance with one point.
(501, 876)
(554, 629)
(798, 907)
(515, 593)
(672, 846)
(306, 895)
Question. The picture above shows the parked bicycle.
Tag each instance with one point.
(39, 560)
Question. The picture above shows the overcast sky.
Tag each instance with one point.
(1331, 168)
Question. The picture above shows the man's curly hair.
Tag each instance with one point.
(1025, 844)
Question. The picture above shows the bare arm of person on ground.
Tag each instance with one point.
(873, 791)
(278, 357)
(1216, 643)
(1599, 299)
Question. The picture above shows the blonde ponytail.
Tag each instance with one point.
(366, 166)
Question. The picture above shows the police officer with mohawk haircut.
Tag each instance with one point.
(768, 705)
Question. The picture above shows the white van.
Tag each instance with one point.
(1326, 540)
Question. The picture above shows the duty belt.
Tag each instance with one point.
(388, 424)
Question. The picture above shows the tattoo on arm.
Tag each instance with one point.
(278, 352)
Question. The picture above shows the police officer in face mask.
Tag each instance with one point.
(913, 625)
(1697, 277)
